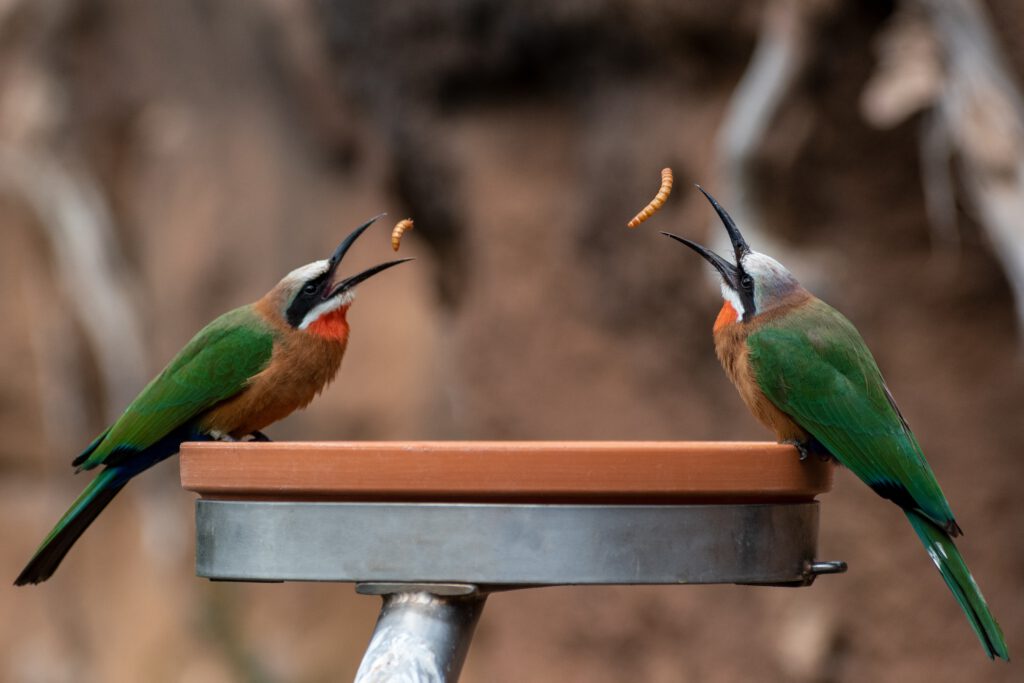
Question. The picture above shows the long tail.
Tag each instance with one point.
(73, 524)
(953, 569)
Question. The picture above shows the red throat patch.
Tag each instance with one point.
(331, 325)
(726, 316)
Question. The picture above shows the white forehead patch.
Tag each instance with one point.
(772, 281)
(764, 269)
(302, 274)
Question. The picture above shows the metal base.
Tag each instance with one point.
(506, 544)
(433, 563)
(421, 636)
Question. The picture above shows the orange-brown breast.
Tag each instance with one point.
(302, 364)
(731, 349)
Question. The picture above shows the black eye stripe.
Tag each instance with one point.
(305, 300)
(746, 293)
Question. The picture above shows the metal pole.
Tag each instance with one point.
(421, 637)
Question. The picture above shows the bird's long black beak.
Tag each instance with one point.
(728, 271)
(350, 282)
(739, 245)
(339, 253)
(347, 243)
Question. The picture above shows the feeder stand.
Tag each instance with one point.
(433, 527)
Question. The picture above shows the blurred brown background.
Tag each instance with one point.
(161, 163)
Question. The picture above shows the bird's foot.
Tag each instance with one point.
(800, 446)
(259, 436)
(809, 446)
(217, 435)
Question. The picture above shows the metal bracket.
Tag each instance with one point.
(813, 570)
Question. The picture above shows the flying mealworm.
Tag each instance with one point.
(398, 231)
(657, 202)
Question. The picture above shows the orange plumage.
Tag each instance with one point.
(726, 316)
(731, 349)
(302, 364)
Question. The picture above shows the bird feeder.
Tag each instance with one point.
(433, 527)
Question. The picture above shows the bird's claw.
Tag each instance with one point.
(254, 436)
(801, 448)
(806, 448)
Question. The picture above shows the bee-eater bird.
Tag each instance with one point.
(804, 371)
(248, 368)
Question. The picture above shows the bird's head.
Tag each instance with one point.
(756, 283)
(314, 291)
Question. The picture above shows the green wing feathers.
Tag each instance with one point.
(215, 365)
(956, 575)
(816, 368)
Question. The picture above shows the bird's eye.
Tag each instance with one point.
(309, 289)
(746, 282)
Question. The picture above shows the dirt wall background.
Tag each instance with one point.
(212, 147)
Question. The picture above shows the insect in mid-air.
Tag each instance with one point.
(398, 231)
(657, 202)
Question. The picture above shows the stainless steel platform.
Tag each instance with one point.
(505, 544)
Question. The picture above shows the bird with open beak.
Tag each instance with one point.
(248, 368)
(805, 372)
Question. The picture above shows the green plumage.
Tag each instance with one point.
(215, 365)
(246, 369)
(812, 364)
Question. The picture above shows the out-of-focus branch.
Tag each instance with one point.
(983, 110)
(780, 58)
(936, 151)
(79, 228)
(68, 204)
(976, 113)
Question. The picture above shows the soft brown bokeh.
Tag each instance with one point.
(234, 141)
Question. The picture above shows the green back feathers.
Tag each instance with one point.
(215, 365)
(814, 366)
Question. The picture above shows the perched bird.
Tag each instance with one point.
(248, 368)
(805, 373)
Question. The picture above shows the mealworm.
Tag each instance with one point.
(657, 202)
(398, 231)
